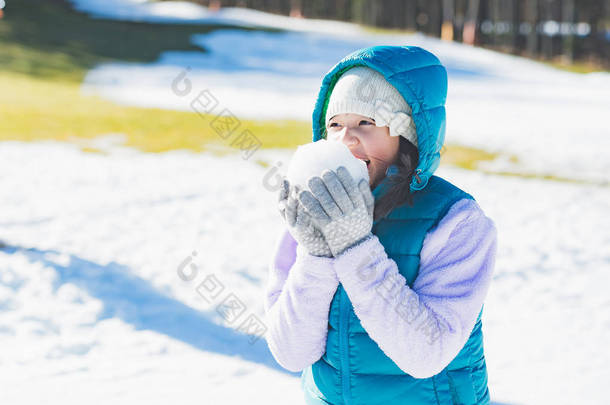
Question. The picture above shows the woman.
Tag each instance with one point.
(378, 296)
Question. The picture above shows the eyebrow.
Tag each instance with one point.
(361, 119)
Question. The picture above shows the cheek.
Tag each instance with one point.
(382, 152)
(382, 146)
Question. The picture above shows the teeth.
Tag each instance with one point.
(366, 161)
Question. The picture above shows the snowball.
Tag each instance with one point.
(313, 158)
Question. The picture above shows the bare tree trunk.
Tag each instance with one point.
(459, 14)
(531, 16)
(547, 40)
(296, 9)
(342, 8)
(434, 15)
(357, 11)
(214, 5)
(448, 16)
(470, 23)
(376, 12)
(568, 17)
(599, 44)
(515, 19)
(411, 14)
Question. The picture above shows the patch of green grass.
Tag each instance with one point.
(576, 67)
(470, 158)
(465, 157)
(34, 109)
(549, 177)
(47, 48)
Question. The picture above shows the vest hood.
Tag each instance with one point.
(420, 78)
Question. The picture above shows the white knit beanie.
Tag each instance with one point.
(362, 90)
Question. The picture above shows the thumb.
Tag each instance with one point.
(369, 199)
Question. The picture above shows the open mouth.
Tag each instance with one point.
(366, 161)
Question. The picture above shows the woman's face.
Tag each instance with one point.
(366, 141)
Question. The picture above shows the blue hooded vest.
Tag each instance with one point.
(354, 370)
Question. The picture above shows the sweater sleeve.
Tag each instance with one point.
(299, 291)
(423, 328)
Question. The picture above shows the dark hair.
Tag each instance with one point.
(400, 182)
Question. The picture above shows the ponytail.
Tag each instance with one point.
(400, 182)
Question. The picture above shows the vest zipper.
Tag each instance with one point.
(343, 346)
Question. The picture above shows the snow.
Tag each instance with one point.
(94, 305)
(313, 158)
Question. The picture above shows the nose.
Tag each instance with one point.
(347, 137)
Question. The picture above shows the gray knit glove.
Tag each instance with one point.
(299, 222)
(340, 208)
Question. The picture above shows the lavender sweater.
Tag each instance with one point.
(456, 265)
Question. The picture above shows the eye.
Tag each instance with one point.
(333, 124)
(365, 122)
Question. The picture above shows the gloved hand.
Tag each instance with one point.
(299, 222)
(340, 208)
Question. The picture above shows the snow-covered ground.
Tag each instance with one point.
(92, 307)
